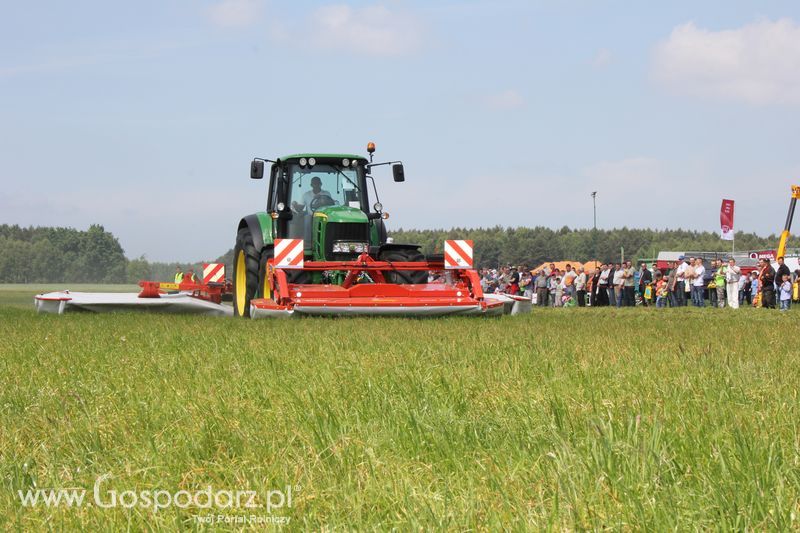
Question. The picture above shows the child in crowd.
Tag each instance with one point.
(662, 293)
(786, 293)
(557, 292)
(754, 287)
(567, 301)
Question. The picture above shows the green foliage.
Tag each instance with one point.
(138, 269)
(50, 255)
(532, 246)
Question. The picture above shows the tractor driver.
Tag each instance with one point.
(315, 196)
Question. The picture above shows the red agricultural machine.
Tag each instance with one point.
(320, 247)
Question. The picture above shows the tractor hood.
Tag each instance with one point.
(341, 213)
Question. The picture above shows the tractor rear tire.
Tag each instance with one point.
(245, 273)
(404, 277)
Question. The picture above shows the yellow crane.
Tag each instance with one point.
(788, 225)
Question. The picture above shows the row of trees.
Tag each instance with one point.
(60, 254)
(55, 255)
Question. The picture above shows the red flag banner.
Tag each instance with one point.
(726, 220)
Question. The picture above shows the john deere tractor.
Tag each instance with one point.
(323, 199)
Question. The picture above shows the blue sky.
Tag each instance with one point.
(143, 116)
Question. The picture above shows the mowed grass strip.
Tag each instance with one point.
(567, 419)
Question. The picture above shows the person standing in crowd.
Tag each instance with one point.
(698, 298)
(580, 287)
(782, 270)
(594, 293)
(766, 284)
(526, 284)
(513, 282)
(720, 278)
(556, 289)
(672, 283)
(645, 279)
(732, 277)
(619, 284)
(786, 292)
(542, 288)
(754, 290)
(612, 298)
(662, 292)
(603, 284)
(680, 283)
(712, 293)
(569, 281)
(628, 283)
(744, 288)
(795, 286)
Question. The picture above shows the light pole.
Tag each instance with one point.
(594, 230)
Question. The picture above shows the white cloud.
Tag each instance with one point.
(758, 63)
(602, 58)
(235, 13)
(507, 100)
(370, 31)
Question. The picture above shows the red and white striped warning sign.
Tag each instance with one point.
(213, 273)
(289, 253)
(457, 254)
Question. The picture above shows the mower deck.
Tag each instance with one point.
(383, 299)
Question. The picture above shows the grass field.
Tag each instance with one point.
(563, 419)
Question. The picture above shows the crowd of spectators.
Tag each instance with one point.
(683, 282)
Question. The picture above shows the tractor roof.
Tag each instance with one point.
(323, 156)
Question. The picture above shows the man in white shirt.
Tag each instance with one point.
(732, 275)
(698, 284)
(315, 193)
(680, 286)
(580, 287)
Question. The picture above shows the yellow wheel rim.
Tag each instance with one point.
(267, 293)
(241, 283)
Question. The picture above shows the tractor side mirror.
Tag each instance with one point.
(398, 173)
(256, 170)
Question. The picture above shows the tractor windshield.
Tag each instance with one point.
(323, 185)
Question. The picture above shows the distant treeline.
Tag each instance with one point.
(55, 255)
(533, 246)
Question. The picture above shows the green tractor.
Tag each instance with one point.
(323, 199)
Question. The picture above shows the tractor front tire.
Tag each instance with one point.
(404, 277)
(245, 273)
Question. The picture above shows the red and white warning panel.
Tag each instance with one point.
(213, 273)
(289, 253)
(457, 254)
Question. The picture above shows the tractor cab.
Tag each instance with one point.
(308, 192)
(324, 200)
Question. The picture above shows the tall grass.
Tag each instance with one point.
(562, 419)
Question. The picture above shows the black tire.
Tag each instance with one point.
(404, 277)
(246, 283)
